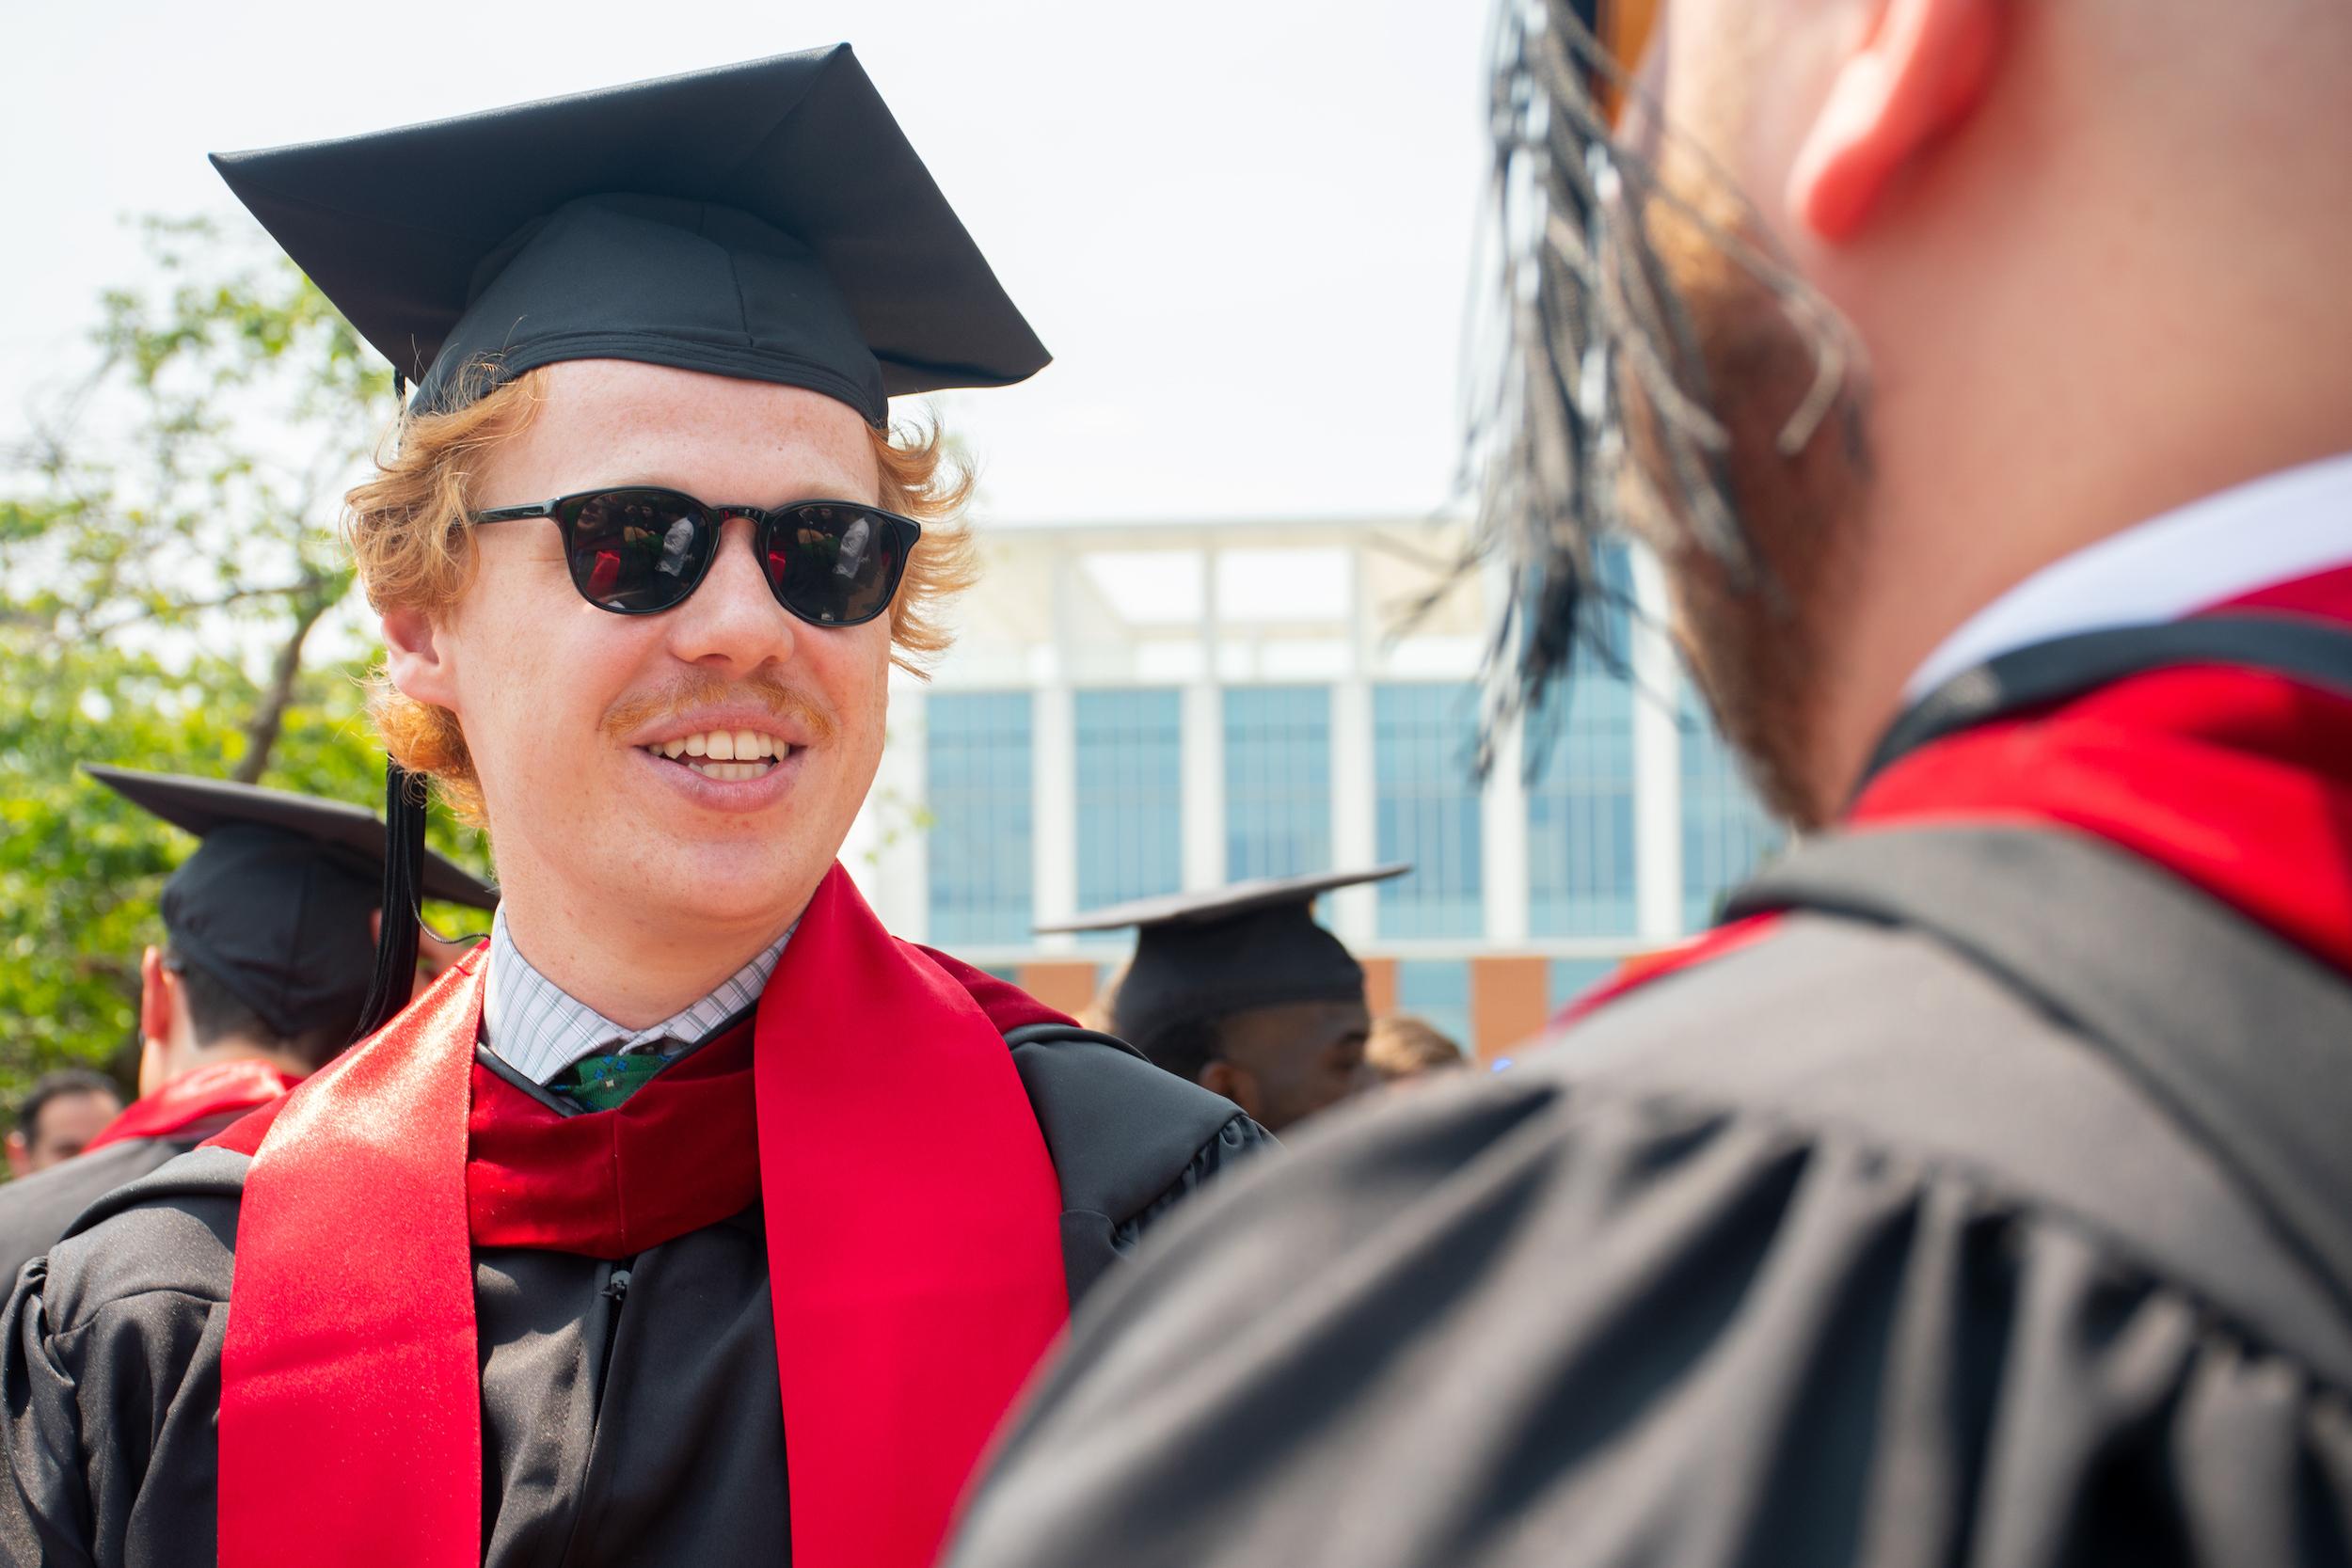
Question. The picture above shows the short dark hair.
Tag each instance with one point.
(1186, 1048)
(61, 1085)
(215, 1013)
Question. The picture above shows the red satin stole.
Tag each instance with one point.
(2238, 781)
(878, 1090)
(193, 1097)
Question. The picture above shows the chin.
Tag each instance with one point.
(727, 887)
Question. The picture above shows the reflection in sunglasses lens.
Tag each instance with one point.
(636, 550)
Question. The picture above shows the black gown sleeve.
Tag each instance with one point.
(1237, 1141)
(1559, 1318)
(36, 1210)
(110, 1379)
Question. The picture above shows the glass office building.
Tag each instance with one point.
(1134, 710)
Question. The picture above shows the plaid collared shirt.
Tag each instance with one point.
(539, 1031)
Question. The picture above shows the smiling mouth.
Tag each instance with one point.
(728, 756)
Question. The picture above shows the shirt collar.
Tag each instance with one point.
(2287, 525)
(539, 1030)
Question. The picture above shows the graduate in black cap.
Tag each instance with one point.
(269, 945)
(693, 1218)
(1239, 990)
(1980, 1191)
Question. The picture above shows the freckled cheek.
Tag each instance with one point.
(856, 682)
(536, 677)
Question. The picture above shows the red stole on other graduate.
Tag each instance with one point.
(2236, 779)
(880, 1090)
(193, 1097)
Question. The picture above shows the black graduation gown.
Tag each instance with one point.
(1837, 1248)
(36, 1210)
(631, 1411)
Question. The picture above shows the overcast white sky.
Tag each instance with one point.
(1242, 226)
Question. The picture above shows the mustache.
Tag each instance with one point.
(701, 690)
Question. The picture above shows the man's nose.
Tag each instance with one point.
(732, 618)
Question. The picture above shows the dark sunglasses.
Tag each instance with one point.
(636, 551)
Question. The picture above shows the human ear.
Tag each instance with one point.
(420, 657)
(1236, 1084)
(1917, 72)
(158, 999)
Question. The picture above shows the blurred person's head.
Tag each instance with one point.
(1102, 1010)
(1969, 284)
(270, 927)
(191, 1016)
(1280, 1063)
(1240, 989)
(60, 1114)
(1401, 1047)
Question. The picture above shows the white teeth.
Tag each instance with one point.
(732, 755)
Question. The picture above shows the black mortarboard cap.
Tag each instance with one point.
(767, 221)
(274, 902)
(1203, 955)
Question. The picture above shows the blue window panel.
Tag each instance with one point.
(977, 784)
(1278, 780)
(1426, 806)
(1131, 827)
(1726, 834)
(1579, 775)
(1579, 810)
(1570, 978)
(1438, 991)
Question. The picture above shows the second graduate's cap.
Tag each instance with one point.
(767, 221)
(1203, 956)
(276, 900)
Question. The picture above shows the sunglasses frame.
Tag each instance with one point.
(903, 531)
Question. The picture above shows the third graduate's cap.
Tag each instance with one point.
(767, 221)
(274, 902)
(1203, 956)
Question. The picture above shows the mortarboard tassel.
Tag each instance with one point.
(404, 880)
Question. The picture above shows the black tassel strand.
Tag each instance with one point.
(404, 881)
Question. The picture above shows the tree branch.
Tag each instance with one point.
(260, 731)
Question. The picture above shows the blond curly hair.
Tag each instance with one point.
(413, 547)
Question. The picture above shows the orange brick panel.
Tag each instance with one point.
(1509, 1002)
(1064, 984)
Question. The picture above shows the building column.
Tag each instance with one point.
(888, 851)
(1202, 732)
(1054, 810)
(1354, 913)
(1657, 674)
(1502, 829)
(1054, 776)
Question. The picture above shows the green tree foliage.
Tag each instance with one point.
(173, 595)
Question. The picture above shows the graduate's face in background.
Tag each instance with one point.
(1285, 1062)
(560, 699)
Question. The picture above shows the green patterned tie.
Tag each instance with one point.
(601, 1082)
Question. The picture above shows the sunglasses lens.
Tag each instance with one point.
(834, 564)
(635, 551)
